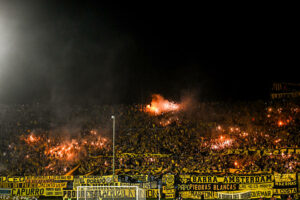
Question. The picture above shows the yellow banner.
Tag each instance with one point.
(69, 194)
(58, 178)
(140, 185)
(10, 185)
(256, 186)
(285, 179)
(152, 193)
(198, 194)
(298, 181)
(11, 179)
(168, 179)
(28, 192)
(208, 187)
(200, 179)
(33, 185)
(285, 191)
(93, 193)
(246, 194)
(96, 179)
(234, 195)
(54, 192)
(64, 178)
(36, 179)
(36, 192)
(167, 191)
(248, 179)
(170, 196)
(267, 193)
(243, 179)
(139, 178)
(53, 185)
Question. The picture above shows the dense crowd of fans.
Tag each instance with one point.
(42, 139)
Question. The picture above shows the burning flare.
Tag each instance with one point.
(64, 152)
(160, 105)
(67, 150)
(31, 139)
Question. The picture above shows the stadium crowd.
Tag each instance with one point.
(210, 137)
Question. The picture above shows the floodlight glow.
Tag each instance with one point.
(7, 40)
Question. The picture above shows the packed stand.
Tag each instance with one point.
(47, 140)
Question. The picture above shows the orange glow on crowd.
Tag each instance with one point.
(160, 105)
(32, 138)
(62, 151)
(66, 150)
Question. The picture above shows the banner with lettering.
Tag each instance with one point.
(148, 185)
(285, 184)
(152, 193)
(36, 192)
(208, 187)
(285, 190)
(245, 194)
(133, 178)
(192, 186)
(198, 194)
(285, 180)
(240, 179)
(95, 181)
(95, 193)
(256, 186)
(168, 181)
(70, 194)
(33, 185)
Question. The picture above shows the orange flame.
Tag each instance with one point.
(222, 143)
(278, 140)
(280, 123)
(69, 150)
(160, 105)
(31, 139)
(235, 163)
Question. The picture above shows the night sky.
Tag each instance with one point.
(84, 52)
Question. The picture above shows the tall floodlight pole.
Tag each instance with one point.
(114, 124)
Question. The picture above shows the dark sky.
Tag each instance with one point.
(84, 52)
